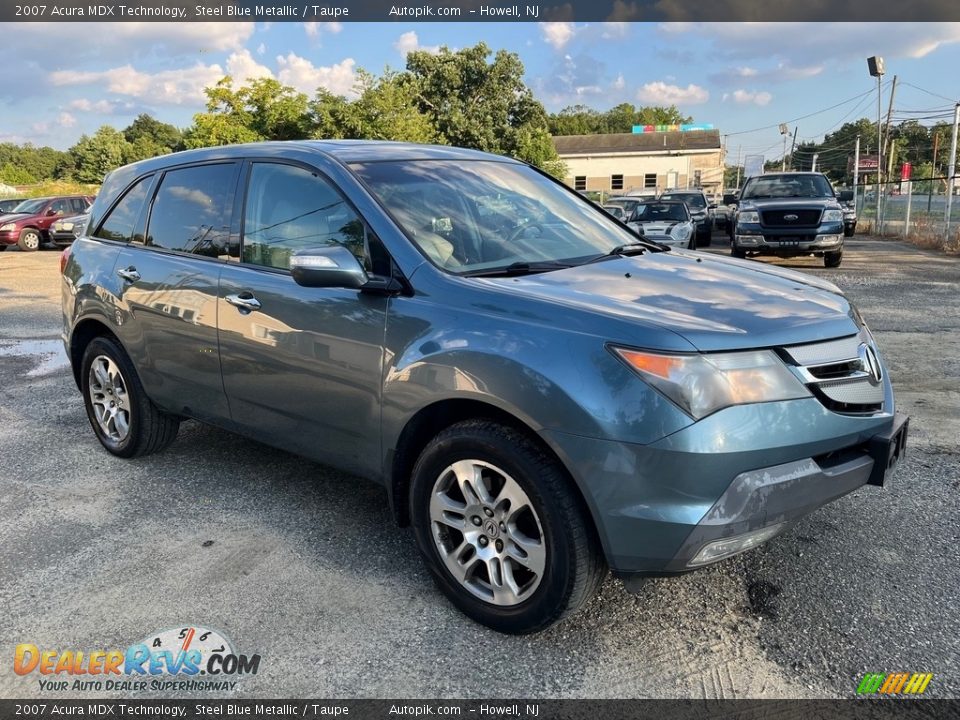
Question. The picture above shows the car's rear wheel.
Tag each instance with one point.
(501, 529)
(832, 259)
(29, 240)
(125, 420)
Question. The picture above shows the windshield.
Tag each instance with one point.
(30, 206)
(469, 216)
(787, 186)
(694, 200)
(660, 212)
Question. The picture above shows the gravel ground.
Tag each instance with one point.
(304, 566)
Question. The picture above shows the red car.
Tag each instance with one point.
(28, 225)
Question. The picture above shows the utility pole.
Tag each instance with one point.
(876, 222)
(739, 164)
(814, 168)
(886, 133)
(856, 170)
(933, 168)
(783, 161)
(952, 169)
(793, 144)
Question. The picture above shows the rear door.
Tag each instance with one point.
(302, 366)
(170, 277)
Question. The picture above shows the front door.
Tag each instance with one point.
(301, 366)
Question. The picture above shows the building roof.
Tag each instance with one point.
(637, 142)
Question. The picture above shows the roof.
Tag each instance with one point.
(637, 142)
(345, 151)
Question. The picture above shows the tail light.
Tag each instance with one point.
(64, 257)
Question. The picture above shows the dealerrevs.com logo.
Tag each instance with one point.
(187, 658)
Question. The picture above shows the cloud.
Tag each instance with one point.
(104, 107)
(181, 86)
(619, 83)
(305, 77)
(121, 41)
(557, 34)
(409, 42)
(751, 97)
(66, 120)
(261, 49)
(572, 80)
(814, 44)
(313, 29)
(660, 93)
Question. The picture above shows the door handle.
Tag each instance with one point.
(129, 274)
(245, 301)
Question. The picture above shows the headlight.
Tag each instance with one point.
(748, 217)
(78, 229)
(832, 215)
(681, 232)
(703, 384)
(7, 226)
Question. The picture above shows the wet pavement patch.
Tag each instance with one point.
(48, 354)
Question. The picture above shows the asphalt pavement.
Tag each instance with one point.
(304, 566)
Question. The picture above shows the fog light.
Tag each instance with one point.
(748, 240)
(828, 239)
(720, 549)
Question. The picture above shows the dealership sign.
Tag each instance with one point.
(685, 127)
(868, 164)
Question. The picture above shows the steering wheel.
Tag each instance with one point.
(523, 229)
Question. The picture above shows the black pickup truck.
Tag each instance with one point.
(789, 214)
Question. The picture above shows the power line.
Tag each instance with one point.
(930, 92)
(803, 117)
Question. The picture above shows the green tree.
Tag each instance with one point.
(95, 156)
(148, 137)
(386, 109)
(582, 120)
(482, 104)
(16, 175)
(263, 110)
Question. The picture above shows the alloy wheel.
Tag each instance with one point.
(487, 532)
(109, 398)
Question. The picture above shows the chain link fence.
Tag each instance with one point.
(915, 211)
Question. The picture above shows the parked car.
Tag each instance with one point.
(789, 214)
(667, 222)
(701, 210)
(626, 202)
(542, 393)
(8, 204)
(845, 198)
(723, 214)
(65, 231)
(29, 227)
(616, 210)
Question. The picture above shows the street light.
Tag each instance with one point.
(875, 65)
(785, 131)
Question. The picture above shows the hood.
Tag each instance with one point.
(787, 203)
(715, 303)
(15, 217)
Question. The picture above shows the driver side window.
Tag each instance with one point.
(290, 208)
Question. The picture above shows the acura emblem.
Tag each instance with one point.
(870, 363)
(791, 217)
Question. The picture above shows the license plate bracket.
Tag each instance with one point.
(888, 449)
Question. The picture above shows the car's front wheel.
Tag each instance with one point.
(832, 259)
(125, 420)
(501, 528)
(737, 252)
(29, 240)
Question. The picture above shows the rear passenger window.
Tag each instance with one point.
(121, 221)
(191, 211)
(290, 209)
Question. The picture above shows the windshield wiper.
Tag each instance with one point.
(518, 268)
(629, 250)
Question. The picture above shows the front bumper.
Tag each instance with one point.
(9, 237)
(743, 470)
(754, 238)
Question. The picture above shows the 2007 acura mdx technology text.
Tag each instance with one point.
(543, 393)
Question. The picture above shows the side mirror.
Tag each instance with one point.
(51, 212)
(332, 266)
(845, 195)
(712, 206)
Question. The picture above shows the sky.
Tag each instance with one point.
(61, 80)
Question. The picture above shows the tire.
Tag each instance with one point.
(30, 240)
(562, 565)
(692, 245)
(703, 239)
(849, 230)
(737, 252)
(832, 259)
(135, 426)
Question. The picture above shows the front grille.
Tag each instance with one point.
(797, 218)
(835, 373)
